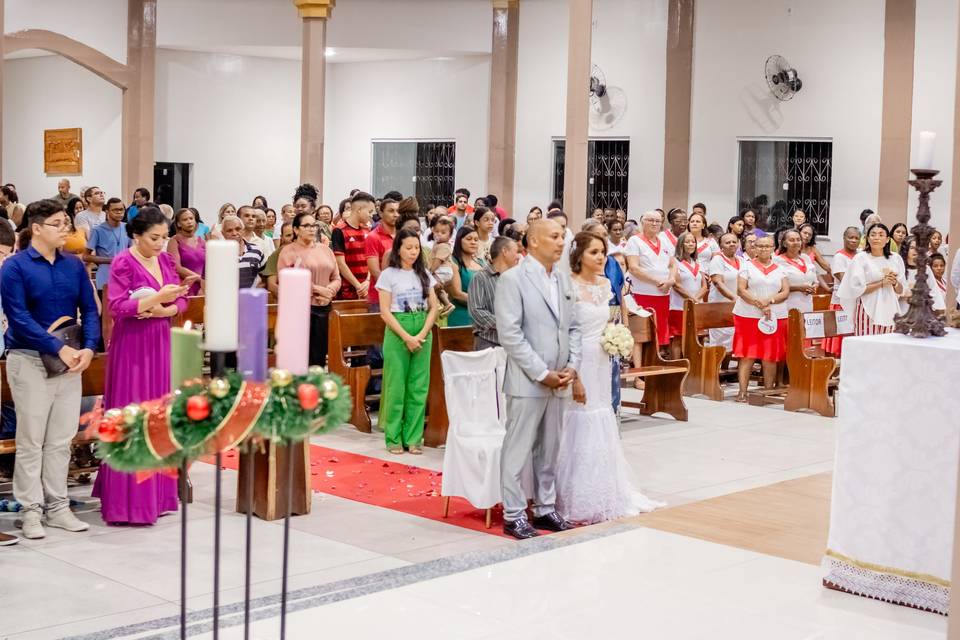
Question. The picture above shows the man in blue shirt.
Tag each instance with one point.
(106, 241)
(141, 196)
(38, 286)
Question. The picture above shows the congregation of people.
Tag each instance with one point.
(468, 262)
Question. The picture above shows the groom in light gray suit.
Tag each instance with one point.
(535, 323)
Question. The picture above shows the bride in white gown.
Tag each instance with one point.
(593, 477)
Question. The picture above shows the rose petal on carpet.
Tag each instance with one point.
(391, 485)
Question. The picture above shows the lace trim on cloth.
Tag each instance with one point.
(896, 589)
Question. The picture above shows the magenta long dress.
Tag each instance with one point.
(138, 369)
(193, 258)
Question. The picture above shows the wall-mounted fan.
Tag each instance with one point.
(782, 79)
(607, 104)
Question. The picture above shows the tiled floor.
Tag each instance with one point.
(75, 584)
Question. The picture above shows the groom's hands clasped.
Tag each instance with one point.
(560, 379)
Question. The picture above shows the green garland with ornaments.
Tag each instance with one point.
(203, 419)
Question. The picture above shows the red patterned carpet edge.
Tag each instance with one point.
(391, 485)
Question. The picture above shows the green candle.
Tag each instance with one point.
(186, 356)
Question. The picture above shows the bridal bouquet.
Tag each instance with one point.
(617, 340)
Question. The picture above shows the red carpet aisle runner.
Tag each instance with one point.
(400, 487)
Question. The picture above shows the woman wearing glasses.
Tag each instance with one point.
(305, 251)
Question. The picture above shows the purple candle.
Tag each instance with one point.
(252, 347)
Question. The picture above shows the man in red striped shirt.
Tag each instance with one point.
(349, 246)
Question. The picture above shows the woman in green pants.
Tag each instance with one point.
(408, 306)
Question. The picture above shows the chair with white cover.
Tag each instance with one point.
(475, 403)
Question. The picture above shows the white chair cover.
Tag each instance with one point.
(475, 405)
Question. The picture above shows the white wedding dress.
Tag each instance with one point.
(593, 477)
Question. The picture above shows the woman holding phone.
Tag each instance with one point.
(144, 294)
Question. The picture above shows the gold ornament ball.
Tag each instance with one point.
(130, 414)
(316, 370)
(281, 377)
(330, 389)
(219, 388)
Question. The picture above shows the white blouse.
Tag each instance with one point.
(706, 249)
(762, 282)
(729, 272)
(668, 239)
(690, 280)
(839, 264)
(799, 273)
(936, 292)
(654, 261)
(881, 305)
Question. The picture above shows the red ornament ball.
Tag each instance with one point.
(309, 396)
(110, 431)
(198, 407)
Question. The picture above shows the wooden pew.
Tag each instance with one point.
(663, 378)
(92, 381)
(444, 338)
(348, 330)
(705, 360)
(811, 374)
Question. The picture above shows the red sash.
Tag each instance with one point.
(942, 284)
(694, 270)
(655, 247)
(848, 254)
(764, 270)
(702, 245)
(672, 238)
(735, 263)
(801, 265)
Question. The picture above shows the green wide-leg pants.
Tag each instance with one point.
(406, 381)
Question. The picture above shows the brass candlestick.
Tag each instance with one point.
(920, 320)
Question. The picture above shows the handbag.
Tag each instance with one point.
(71, 336)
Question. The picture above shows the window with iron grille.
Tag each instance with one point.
(779, 176)
(423, 169)
(608, 173)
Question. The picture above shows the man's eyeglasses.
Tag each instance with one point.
(62, 224)
(309, 226)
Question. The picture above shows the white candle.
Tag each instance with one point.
(222, 277)
(925, 150)
(293, 320)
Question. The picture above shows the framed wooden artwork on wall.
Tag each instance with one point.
(63, 151)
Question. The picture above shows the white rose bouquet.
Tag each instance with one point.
(617, 340)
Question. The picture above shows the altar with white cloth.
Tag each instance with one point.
(895, 473)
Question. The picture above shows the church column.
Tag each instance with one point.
(138, 99)
(954, 232)
(314, 14)
(578, 104)
(676, 140)
(503, 101)
(898, 53)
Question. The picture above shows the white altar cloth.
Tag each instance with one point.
(895, 473)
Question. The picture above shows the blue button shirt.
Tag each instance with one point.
(614, 274)
(108, 242)
(35, 293)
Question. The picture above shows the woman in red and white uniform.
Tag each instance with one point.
(653, 271)
(759, 318)
(870, 288)
(723, 271)
(808, 234)
(706, 246)
(691, 285)
(800, 270)
(676, 224)
(838, 266)
(938, 265)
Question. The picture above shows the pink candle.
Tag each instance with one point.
(293, 320)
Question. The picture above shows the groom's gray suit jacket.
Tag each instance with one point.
(534, 336)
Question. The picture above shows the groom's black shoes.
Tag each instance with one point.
(519, 529)
(552, 522)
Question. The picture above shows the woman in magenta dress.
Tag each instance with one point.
(144, 293)
(187, 248)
